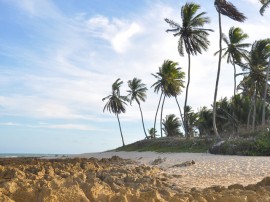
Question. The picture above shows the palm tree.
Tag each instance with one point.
(265, 92)
(116, 103)
(152, 132)
(137, 91)
(265, 4)
(192, 37)
(169, 82)
(193, 121)
(253, 84)
(235, 49)
(171, 126)
(205, 125)
(228, 9)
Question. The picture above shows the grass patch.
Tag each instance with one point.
(195, 145)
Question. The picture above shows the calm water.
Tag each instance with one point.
(14, 155)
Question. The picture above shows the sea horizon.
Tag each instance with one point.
(16, 155)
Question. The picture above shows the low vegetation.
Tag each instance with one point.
(170, 144)
(247, 144)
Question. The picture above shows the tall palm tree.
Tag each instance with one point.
(265, 92)
(116, 103)
(192, 38)
(171, 126)
(226, 8)
(235, 49)
(169, 82)
(257, 61)
(265, 4)
(137, 91)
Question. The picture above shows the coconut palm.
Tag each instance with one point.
(205, 124)
(152, 132)
(116, 103)
(171, 126)
(253, 84)
(192, 38)
(265, 4)
(226, 8)
(193, 121)
(137, 91)
(169, 82)
(235, 49)
(265, 92)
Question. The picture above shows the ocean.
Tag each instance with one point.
(15, 155)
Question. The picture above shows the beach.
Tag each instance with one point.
(135, 176)
(208, 170)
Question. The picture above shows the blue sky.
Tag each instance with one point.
(58, 59)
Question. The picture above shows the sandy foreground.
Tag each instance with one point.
(208, 170)
(135, 176)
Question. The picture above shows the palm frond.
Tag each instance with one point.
(228, 9)
(266, 4)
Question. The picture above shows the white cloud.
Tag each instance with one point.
(117, 32)
(120, 41)
(76, 70)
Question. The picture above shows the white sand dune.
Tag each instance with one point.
(208, 170)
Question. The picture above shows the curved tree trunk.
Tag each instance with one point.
(156, 115)
(142, 119)
(185, 106)
(265, 93)
(120, 130)
(217, 80)
(161, 111)
(181, 115)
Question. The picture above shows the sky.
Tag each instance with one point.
(58, 60)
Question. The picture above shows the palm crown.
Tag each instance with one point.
(265, 4)
(137, 90)
(235, 49)
(116, 103)
(171, 125)
(192, 36)
(169, 79)
(257, 61)
(228, 9)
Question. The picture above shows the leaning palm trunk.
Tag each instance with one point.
(185, 106)
(181, 115)
(217, 80)
(161, 111)
(142, 119)
(254, 109)
(249, 113)
(156, 115)
(235, 128)
(265, 93)
(120, 129)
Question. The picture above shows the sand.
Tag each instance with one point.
(208, 170)
(136, 176)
